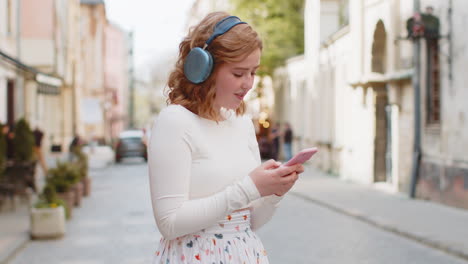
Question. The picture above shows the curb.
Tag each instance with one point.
(10, 254)
(389, 228)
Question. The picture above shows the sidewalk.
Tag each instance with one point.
(14, 224)
(14, 231)
(430, 223)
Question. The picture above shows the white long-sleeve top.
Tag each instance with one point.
(198, 171)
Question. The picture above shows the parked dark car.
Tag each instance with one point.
(130, 144)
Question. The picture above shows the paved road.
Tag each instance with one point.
(115, 225)
(313, 234)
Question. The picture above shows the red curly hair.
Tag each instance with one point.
(233, 46)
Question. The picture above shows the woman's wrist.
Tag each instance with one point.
(250, 188)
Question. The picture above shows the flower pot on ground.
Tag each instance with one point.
(62, 178)
(78, 189)
(69, 199)
(47, 223)
(48, 216)
(86, 186)
(80, 159)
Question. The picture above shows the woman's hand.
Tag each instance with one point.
(272, 178)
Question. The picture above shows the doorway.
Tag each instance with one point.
(381, 136)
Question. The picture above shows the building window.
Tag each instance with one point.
(433, 82)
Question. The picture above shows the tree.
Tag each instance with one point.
(280, 24)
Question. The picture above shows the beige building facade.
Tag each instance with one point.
(64, 68)
(8, 47)
(116, 78)
(38, 91)
(104, 66)
(49, 43)
(92, 92)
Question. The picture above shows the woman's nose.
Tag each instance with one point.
(248, 82)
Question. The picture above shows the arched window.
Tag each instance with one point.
(379, 48)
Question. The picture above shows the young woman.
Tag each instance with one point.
(208, 187)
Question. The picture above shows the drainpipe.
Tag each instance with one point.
(450, 22)
(417, 109)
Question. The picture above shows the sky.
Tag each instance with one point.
(158, 27)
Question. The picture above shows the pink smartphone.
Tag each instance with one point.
(301, 157)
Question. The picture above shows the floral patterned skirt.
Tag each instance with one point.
(231, 241)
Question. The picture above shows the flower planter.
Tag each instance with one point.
(21, 174)
(87, 186)
(47, 223)
(78, 189)
(69, 199)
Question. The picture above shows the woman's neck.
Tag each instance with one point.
(219, 115)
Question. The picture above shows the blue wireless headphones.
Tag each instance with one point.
(199, 62)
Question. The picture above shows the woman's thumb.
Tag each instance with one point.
(271, 164)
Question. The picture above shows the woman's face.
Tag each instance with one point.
(234, 80)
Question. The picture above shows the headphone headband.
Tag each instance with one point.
(223, 26)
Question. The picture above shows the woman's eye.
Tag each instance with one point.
(253, 73)
(237, 74)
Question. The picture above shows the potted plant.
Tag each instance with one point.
(23, 166)
(48, 215)
(23, 142)
(82, 164)
(77, 185)
(62, 178)
(6, 186)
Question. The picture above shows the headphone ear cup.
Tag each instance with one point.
(198, 65)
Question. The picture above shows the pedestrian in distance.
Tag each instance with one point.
(9, 131)
(275, 140)
(73, 147)
(38, 136)
(209, 189)
(287, 141)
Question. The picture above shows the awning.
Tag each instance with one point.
(17, 63)
(47, 84)
(48, 89)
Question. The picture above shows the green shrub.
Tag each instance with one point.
(64, 176)
(49, 194)
(60, 179)
(23, 142)
(49, 199)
